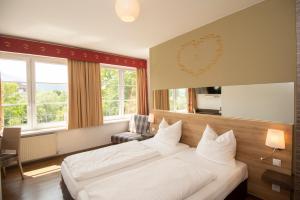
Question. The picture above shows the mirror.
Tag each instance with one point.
(269, 102)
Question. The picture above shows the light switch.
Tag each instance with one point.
(277, 162)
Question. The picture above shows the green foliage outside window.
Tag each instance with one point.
(51, 105)
(112, 88)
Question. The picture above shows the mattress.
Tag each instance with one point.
(75, 186)
(227, 178)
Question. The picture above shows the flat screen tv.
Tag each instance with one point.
(209, 90)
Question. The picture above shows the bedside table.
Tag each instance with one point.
(283, 180)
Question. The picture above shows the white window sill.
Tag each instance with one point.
(42, 131)
(46, 131)
(113, 121)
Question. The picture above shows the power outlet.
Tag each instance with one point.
(277, 162)
(275, 188)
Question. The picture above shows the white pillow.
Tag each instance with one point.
(168, 134)
(220, 149)
(163, 124)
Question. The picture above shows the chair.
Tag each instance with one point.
(11, 142)
(138, 125)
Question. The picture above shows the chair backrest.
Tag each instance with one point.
(11, 139)
(141, 123)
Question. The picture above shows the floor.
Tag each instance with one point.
(42, 181)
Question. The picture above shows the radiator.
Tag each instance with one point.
(37, 147)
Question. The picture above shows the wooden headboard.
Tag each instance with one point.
(250, 136)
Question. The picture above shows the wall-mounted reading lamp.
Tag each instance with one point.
(275, 139)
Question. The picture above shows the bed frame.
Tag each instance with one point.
(240, 192)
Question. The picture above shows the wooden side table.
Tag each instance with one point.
(283, 180)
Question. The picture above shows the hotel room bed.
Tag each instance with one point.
(75, 185)
(226, 179)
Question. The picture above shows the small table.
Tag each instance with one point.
(283, 180)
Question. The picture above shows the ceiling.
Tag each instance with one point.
(93, 24)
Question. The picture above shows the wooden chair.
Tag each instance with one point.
(11, 142)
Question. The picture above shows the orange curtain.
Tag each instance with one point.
(85, 104)
(142, 91)
(1, 109)
(161, 100)
(192, 101)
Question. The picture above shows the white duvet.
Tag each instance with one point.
(97, 162)
(167, 179)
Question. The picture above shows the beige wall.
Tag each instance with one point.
(259, 46)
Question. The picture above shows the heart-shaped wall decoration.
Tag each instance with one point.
(197, 56)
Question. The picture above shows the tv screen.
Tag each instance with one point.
(213, 90)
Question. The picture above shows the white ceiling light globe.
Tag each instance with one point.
(127, 10)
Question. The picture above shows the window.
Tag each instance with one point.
(178, 99)
(118, 92)
(34, 91)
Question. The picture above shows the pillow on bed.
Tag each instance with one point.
(220, 149)
(163, 124)
(168, 134)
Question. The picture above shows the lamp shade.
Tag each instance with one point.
(151, 118)
(275, 139)
(127, 10)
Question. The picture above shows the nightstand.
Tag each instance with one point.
(283, 180)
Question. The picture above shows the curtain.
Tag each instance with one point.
(192, 101)
(161, 100)
(85, 104)
(142, 91)
(1, 109)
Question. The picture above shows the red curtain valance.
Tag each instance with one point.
(18, 45)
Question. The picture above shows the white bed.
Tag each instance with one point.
(74, 185)
(226, 179)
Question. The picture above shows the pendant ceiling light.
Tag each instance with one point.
(127, 10)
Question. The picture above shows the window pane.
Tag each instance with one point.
(130, 77)
(13, 70)
(110, 92)
(130, 101)
(109, 76)
(171, 100)
(14, 103)
(14, 91)
(130, 107)
(181, 99)
(110, 108)
(51, 94)
(118, 92)
(130, 93)
(51, 73)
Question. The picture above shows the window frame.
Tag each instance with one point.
(32, 124)
(121, 87)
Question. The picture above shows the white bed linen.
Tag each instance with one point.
(227, 177)
(167, 179)
(75, 186)
(97, 162)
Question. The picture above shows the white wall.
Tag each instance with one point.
(271, 102)
(79, 139)
(42, 146)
